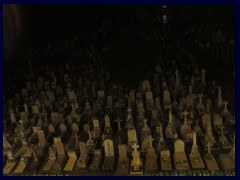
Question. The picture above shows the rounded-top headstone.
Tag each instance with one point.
(86, 128)
(63, 128)
(74, 128)
(51, 128)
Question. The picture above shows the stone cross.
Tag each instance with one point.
(225, 105)
(150, 141)
(119, 123)
(185, 113)
(145, 122)
(135, 147)
(89, 134)
(200, 98)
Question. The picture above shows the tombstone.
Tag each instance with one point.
(109, 101)
(55, 118)
(108, 163)
(71, 95)
(72, 158)
(151, 159)
(119, 123)
(62, 129)
(145, 85)
(101, 94)
(51, 159)
(41, 137)
(228, 160)
(24, 117)
(180, 158)
(83, 159)
(35, 109)
(123, 161)
(51, 96)
(210, 160)
(205, 119)
(107, 122)
(96, 132)
(165, 161)
(11, 162)
(90, 144)
(147, 140)
(195, 157)
(95, 165)
(145, 130)
(22, 164)
(167, 100)
(12, 117)
(136, 167)
(149, 100)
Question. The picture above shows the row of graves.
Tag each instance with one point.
(90, 126)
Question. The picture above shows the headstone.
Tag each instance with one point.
(35, 109)
(55, 118)
(136, 167)
(180, 158)
(195, 157)
(108, 163)
(72, 158)
(166, 100)
(41, 137)
(165, 157)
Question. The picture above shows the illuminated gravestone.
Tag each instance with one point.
(165, 160)
(50, 160)
(170, 131)
(195, 157)
(109, 159)
(72, 158)
(96, 163)
(161, 142)
(132, 139)
(123, 161)
(11, 162)
(136, 167)
(228, 160)
(151, 158)
(149, 100)
(61, 156)
(210, 160)
(167, 100)
(180, 158)
(83, 159)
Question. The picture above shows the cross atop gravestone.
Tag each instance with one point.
(225, 105)
(170, 118)
(150, 141)
(203, 76)
(185, 113)
(135, 147)
(89, 135)
(119, 123)
(200, 96)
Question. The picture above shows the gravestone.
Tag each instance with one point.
(136, 167)
(83, 159)
(167, 100)
(72, 158)
(180, 158)
(165, 157)
(108, 163)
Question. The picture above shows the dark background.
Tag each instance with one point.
(122, 35)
